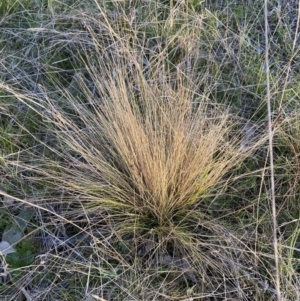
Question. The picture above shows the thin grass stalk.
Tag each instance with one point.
(270, 134)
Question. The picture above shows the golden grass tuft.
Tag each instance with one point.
(151, 147)
(146, 153)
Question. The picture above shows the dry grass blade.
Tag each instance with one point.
(270, 133)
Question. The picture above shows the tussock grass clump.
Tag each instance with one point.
(148, 147)
(147, 154)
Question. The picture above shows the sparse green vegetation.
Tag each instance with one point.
(136, 134)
